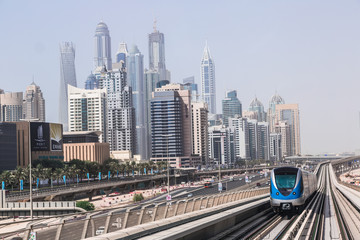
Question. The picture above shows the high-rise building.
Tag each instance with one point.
(290, 114)
(67, 77)
(275, 147)
(275, 100)
(91, 82)
(11, 106)
(135, 78)
(102, 47)
(200, 131)
(120, 111)
(157, 54)
(257, 107)
(241, 130)
(87, 110)
(189, 84)
(222, 145)
(151, 79)
(122, 53)
(34, 103)
(253, 138)
(263, 151)
(208, 88)
(231, 106)
(283, 129)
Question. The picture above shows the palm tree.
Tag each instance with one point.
(122, 168)
(58, 174)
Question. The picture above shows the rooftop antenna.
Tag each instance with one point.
(154, 26)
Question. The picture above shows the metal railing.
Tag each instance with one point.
(80, 225)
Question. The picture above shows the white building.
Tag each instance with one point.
(221, 145)
(87, 110)
(275, 147)
(200, 131)
(11, 106)
(34, 103)
(208, 88)
(241, 129)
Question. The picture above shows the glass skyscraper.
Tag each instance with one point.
(208, 88)
(135, 77)
(257, 107)
(157, 53)
(122, 53)
(67, 76)
(102, 47)
(231, 106)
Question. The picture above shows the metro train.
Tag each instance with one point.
(290, 188)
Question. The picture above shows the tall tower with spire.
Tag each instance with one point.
(157, 53)
(102, 47)
(34, 103)
(67, 76)
(208, 89)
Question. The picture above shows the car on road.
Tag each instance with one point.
(190, 195)
(258, 184)
(100, 230)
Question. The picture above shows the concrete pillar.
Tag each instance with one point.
(141, 214)
(155, 211)
(85, 228)
(90, 195)
(107, 221)
(176, 208)
(207, 202)
(59, 229)
(193, 205)
(186, 203)
(127, 213)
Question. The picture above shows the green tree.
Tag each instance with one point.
(88, 206)
(138, 197)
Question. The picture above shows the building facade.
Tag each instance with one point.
(231, 106)
(241, 130)
(189, 84)
(222, 145)
(258, 108)
(157, 54)
(34, 103)
(67, 77)
(290, 114)
(102, 49)
(122, 53)
(275, 147)
(200, 140)
(120, 111)
(87, 110)
(275, 100)
(11, 106)
(208, 88)
(135, 78)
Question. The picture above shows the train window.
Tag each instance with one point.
(285, 181)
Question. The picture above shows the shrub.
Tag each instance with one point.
(138, 197)
(88, 206)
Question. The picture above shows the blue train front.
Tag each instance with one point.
(290, 188)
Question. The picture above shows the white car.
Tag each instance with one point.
(100, 230)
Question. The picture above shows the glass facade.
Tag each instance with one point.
(231, 106)
(208, 88)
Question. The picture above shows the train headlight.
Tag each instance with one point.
(277, 193)
(294, 193)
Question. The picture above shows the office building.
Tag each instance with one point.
(157, 54)
(34, 103)
(263, 151)
(85, 146)
(200, 140)
(189, 84)
(275, 147)
(275, 100)
(122, 53)
(87, 110)
(283, 129)
(102, 47)
(241, 130)
(67, 77)
(231, 106)
(46, 143)
(208, 88)
(257, 107)
(135, 78)
(253, 139)
(290, 114)
(91, 82)
(11, 106)
(222, 145)
(120, 111)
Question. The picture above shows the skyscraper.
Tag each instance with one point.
(122, 53)
(102, 47)
(11, 106)
(120, 112)
(275, 100)
(67, 76)
(231, 106)
(290, 114)
(208, 88)
(87, 110)
(91, 82)
(189, 84)
(135, 78)
(257, 107)
(34, 103)
(200, 140)
(241, 129)
(222, 145)
(157, 53)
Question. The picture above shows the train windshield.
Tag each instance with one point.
(285, 178)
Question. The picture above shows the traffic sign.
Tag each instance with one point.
(220, 186)
(168, 197)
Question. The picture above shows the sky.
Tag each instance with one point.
(308, 51)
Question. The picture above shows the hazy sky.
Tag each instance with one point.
(309, 51)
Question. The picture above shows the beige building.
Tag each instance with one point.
(289, 113)
(34, 103)
(11, 106)
(93, 152)
(199, 118)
